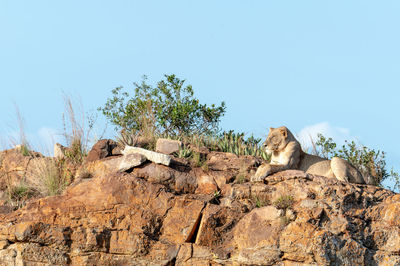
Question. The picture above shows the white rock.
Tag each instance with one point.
(131, 160)
(59, 151)
(150, 155)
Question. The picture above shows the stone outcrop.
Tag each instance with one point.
(168, 146)
(155, 157)
(182, 215)
(102, 149)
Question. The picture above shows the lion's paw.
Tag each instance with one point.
(261, 173)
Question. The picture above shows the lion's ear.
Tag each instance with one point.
(271, 128)
(284, 132)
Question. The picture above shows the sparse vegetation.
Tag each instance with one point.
(19, 194)
(236, 143)
(216, 196)
(184, 152)
(25, 150)
(284, 202)
(260, 200)
(371, 163)
(76, 133)
(54, 176)
(127, 138)
(198, 160)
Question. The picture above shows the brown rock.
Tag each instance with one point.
(182, 221)
(221, 161)
(102, 149)
(168, 146)
(256, 237)
(206, 185)
(153, 216)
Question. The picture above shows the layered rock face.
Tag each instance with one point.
(181, 215)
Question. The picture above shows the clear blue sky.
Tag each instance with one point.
(293, 63)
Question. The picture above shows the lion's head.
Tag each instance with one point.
(277, 139)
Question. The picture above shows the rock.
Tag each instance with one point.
(257, 237)
(221, 161)
(102, 149)
(182, 221)
(168, 146)
(131, 160)
(206, 185)
(150, 155)
(59, 151)
(169, 215)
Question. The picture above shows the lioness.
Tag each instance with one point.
(287, 154)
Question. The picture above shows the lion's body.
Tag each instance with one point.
(286, 154)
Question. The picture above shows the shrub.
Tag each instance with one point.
(371, 163)
(25, 150)
(260, 201)
(19, 194)
(236, 143)
(184, 152)
(169, 109)
(283, 202)
(76, 133)
(53, 177)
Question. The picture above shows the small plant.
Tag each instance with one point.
(75, 153)
(25, 150)
(260, 201)
(184, 152)
(85, 173)
(236, 143)
(198, 160)
(54, 176)
(284, 202)
(396, 177)
(19, 194)
(216, 196)
(240, 178)
(127, 138)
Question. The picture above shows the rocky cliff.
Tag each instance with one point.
(211, 215)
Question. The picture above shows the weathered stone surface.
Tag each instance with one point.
(131, 160)
(168, 146)
(180, 224)
(221, 161)
(150, 155)
(102, 149)
(154, 215)
(59, 151)
(206, 185)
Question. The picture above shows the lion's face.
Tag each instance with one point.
(276, 140)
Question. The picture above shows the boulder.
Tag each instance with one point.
(130, 161)
(168, 146)
(156, 215)
(221, 161)
(156, 157)
(206, 185)
(59, 151)
(102, 149)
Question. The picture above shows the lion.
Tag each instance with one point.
(286, 153)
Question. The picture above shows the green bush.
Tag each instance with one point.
(169, 109)
(371, 163)
(284, 202)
